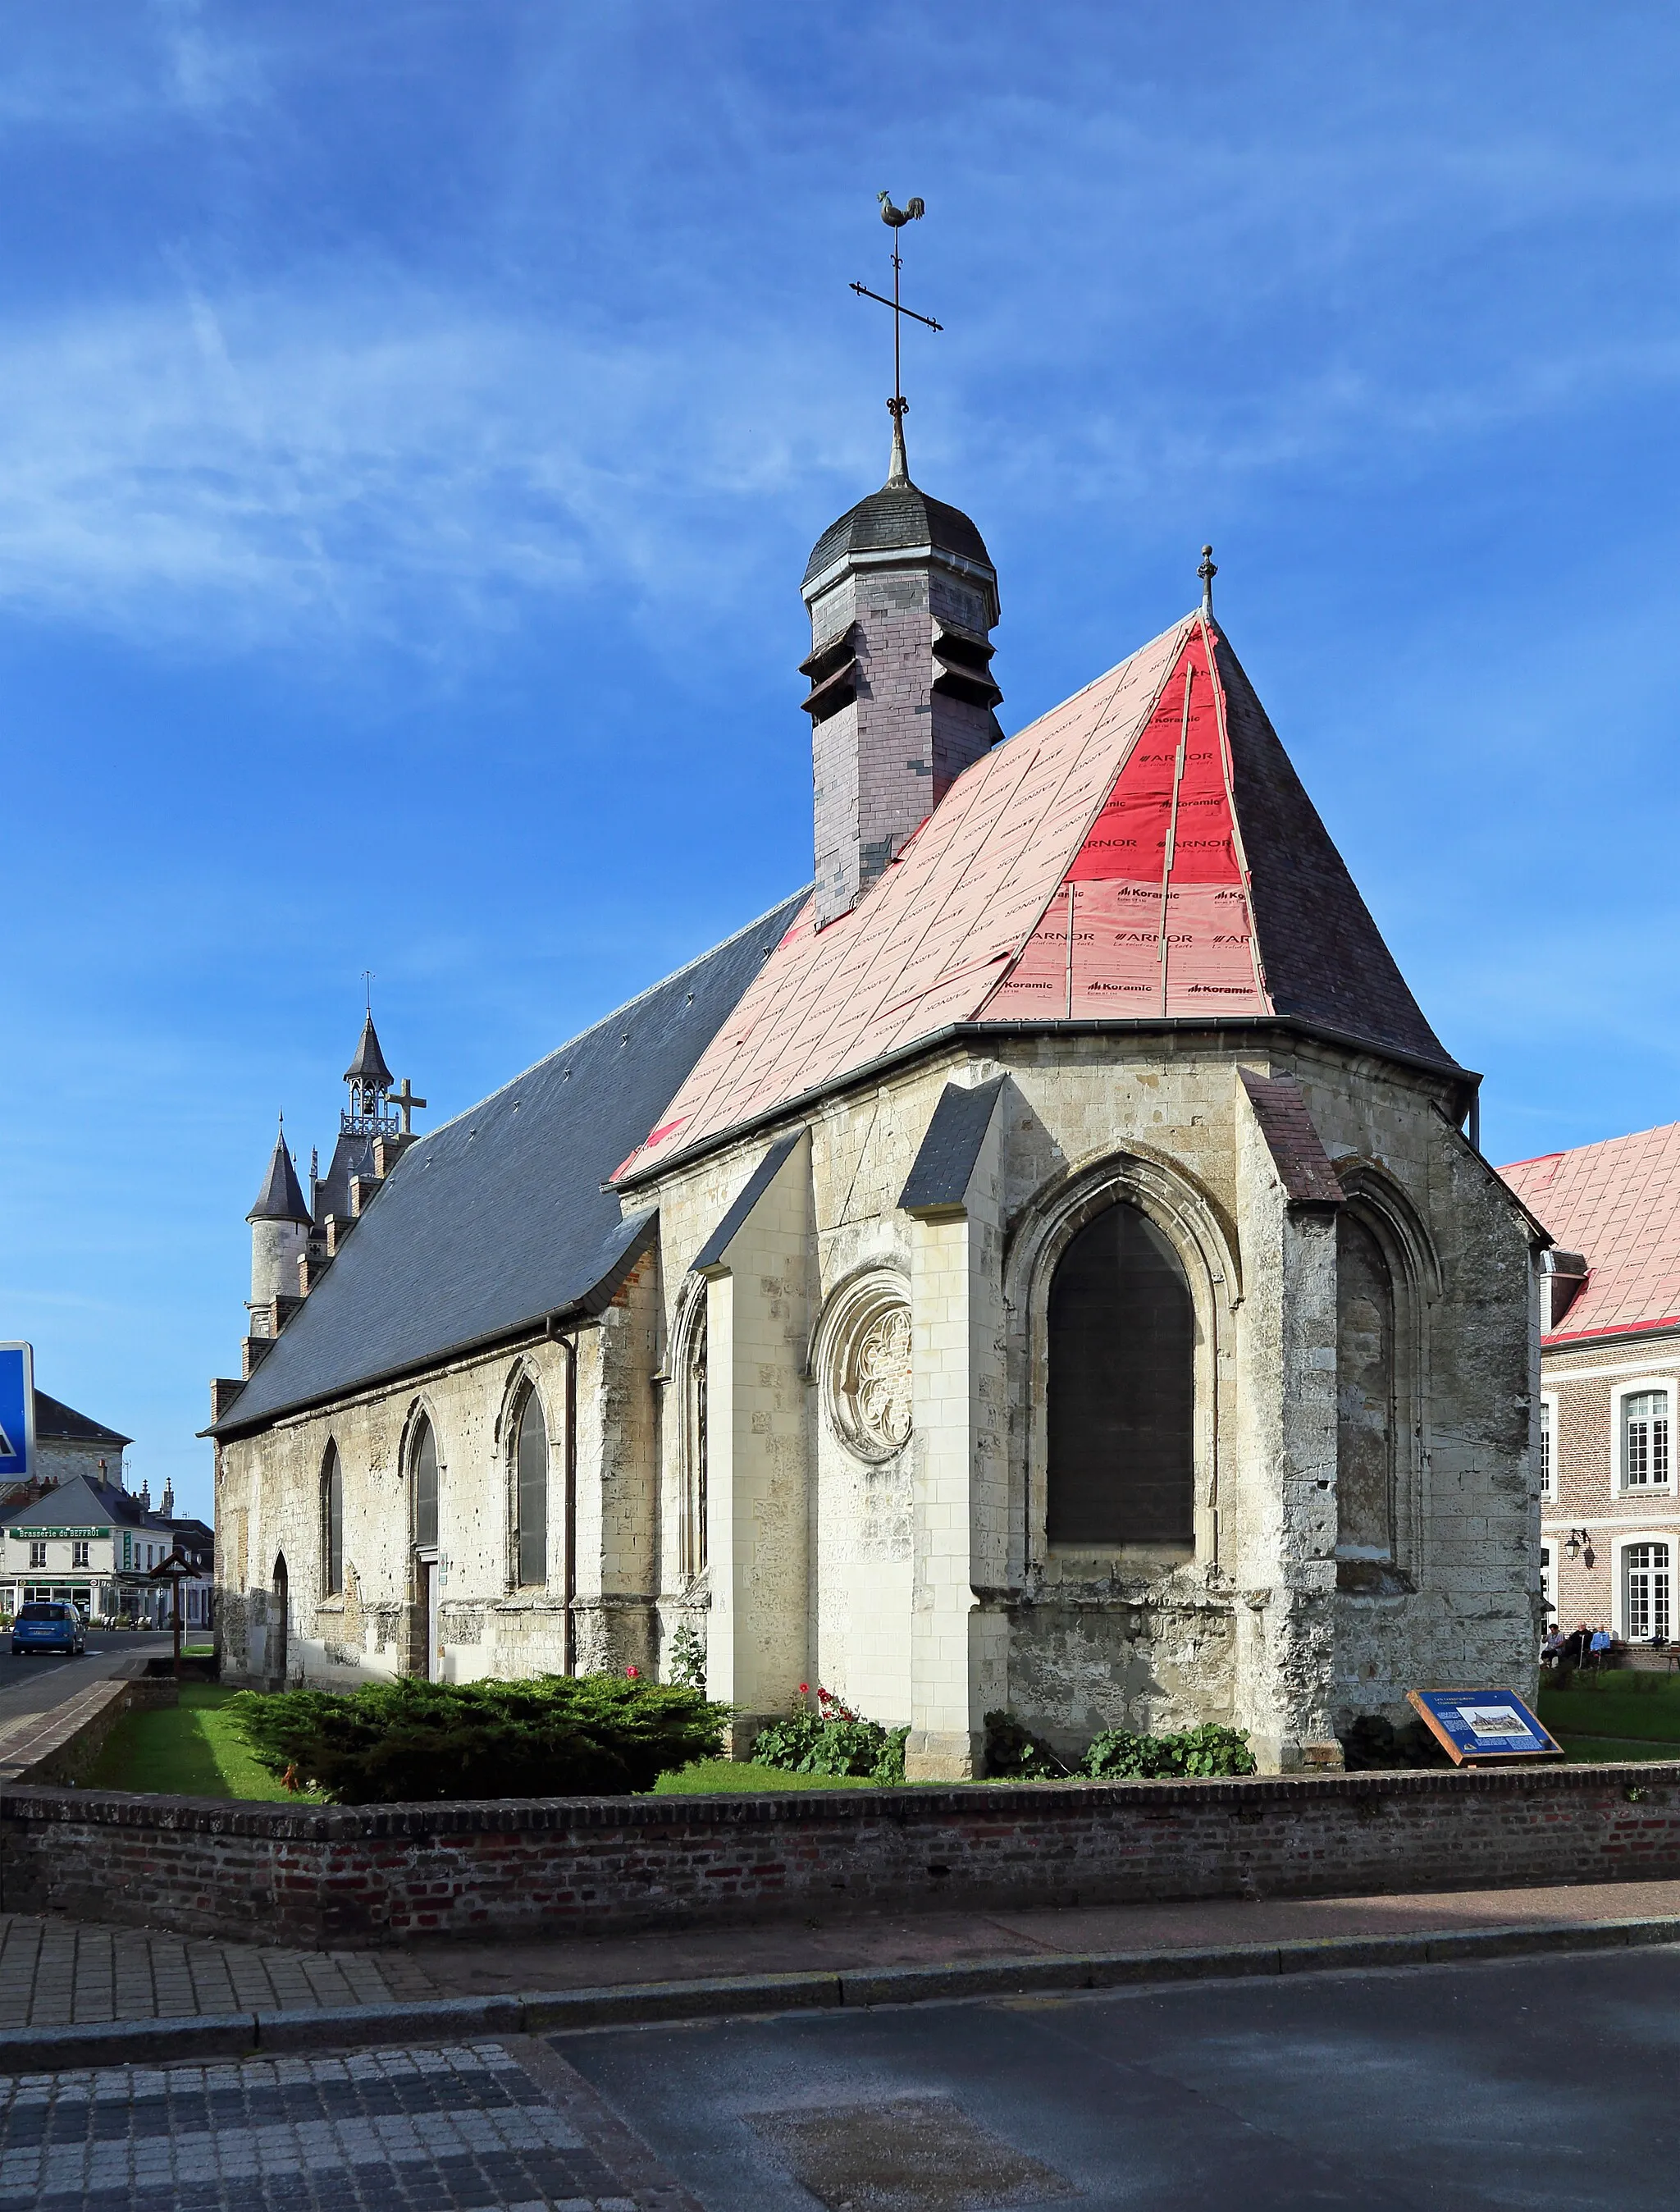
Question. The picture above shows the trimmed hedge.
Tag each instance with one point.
(555, 1735)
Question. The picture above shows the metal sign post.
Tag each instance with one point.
(17, 1412)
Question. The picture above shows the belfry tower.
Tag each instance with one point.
(903, 599)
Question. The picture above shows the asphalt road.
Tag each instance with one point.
(1536, 2083)
(32, 1685)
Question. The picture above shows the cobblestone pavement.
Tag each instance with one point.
(466, 2128)
(59, 1973)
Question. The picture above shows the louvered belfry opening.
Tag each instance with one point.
(1122, 1387)
(903, 598)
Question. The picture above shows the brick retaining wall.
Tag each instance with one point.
(359, 1875)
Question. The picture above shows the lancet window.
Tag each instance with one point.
(1365, 1407)
(1122, 1387)
(332, 1523)
(531, 1492)
(425, 1487)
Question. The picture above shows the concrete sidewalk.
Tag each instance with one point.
(63, 1976)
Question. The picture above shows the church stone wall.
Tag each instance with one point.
(910, 1574)
(269, 1507)
(1249, 1625)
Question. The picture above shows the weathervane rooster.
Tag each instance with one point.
(910, 212)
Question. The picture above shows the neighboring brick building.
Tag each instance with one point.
(1042, 1269)
(1609, 1368)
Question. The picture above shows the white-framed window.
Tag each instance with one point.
(1549, 1443)
(38, 1554)
(1642, 1436)
(1647, 1589)
(79, 1553)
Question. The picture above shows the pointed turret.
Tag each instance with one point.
(368, 1065)
(280, 1198)
(279, 1228)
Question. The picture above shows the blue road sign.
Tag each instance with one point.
(17, 1410)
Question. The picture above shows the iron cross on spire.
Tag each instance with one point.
(895, 218)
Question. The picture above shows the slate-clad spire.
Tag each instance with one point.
(368, 1065)
(280, 1198)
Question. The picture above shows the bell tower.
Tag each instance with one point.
(903, 599)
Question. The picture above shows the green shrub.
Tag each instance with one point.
(1013, 1753)
(555, 1735)
(1117, 1755)
(828, 1738)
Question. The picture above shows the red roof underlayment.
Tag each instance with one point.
(1618, 1203)
(1103, 864)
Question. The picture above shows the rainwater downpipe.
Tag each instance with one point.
(568, 1633)
(1473, 1120)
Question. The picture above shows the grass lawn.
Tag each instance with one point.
(190, 1750)
(704, 1777)
(1592, 1750)
(1644, 1708)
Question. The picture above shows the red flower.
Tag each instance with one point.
(632, 1673)
(805, 1689)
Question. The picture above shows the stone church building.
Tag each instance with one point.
(1039, 1265)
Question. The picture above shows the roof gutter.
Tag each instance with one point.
(1263, 1027)
(589, 1306)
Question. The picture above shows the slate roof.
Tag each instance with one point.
(352, 1155)
(1619, 1203)
(369, 1061)
(280, 1198)
(498, 1218)
(944, 1163)
(1142, 853)
(897, 519)
(58, 1423)
(83, 1503)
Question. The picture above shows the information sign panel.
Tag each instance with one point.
(17, 1411)
(1476, 1726)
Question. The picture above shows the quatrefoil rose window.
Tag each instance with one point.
(870, 1370)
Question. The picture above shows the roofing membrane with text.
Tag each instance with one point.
(1093, 867)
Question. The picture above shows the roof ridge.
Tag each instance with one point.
(605, 1021)
(1595, 1144)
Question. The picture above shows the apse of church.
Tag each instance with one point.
(1038, 1268)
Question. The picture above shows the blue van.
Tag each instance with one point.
(48, 1625)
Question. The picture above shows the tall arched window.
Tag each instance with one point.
(425, 1488)
(1122, 1387)
(694, 1454)
(531, 1495)
(1365, 1419)
(332, 1523)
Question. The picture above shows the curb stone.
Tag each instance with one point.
(244, 2035)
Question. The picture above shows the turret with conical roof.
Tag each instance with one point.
(280, 1227)
(903, 598)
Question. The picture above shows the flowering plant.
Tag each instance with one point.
(830, 1738)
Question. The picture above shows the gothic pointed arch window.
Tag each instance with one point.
(425, 1464)
(1366, 1421)
(530, 1491)
(332, 1523)
(692, 1532)
(1122, 1387)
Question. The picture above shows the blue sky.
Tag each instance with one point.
(414, 421)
